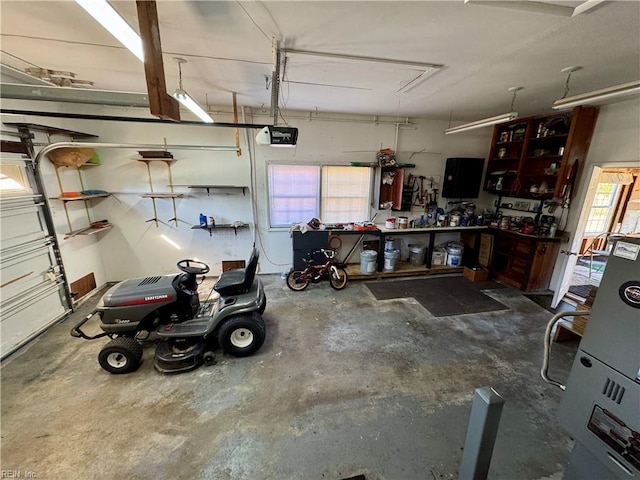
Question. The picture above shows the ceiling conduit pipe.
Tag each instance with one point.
(252, 181)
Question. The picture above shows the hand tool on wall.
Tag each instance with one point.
(421, 195)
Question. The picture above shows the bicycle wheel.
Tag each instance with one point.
(338, 278)
(294, 282)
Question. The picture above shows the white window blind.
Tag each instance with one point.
(293, 194)
(345, 194)
(334, 194)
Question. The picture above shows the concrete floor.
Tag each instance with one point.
(344, 385)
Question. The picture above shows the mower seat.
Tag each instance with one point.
(237, 281)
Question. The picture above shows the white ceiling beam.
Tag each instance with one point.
(527, 6)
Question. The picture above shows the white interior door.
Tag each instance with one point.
(571, 254)
(32, 295)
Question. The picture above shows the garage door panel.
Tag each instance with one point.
(24, 321)
(25, 273)
(32, 293)
(20, 226)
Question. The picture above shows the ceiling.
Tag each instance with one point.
(483, 48)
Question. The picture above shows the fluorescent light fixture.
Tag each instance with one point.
(605, 95)
(170, 242)
(487, 122)
(527, 6)
(106, 16)
(184, 98)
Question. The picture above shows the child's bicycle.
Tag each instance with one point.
(317, 271)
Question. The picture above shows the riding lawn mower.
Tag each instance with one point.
(167, 311)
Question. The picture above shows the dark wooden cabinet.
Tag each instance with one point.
(523, 261)
(538, 157)
(462, 177)
(395, 187)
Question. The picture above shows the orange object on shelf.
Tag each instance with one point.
(70, 194)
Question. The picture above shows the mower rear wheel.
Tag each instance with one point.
(120, 355)
(242, 335)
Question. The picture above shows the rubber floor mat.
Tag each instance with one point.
(581, 290)
(443, 297)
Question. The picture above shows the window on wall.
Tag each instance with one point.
(602, 208)
(345, 194)
(298, 193)
(12, 181)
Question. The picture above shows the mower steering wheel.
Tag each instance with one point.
(193, 266)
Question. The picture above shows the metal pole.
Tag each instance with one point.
(481, 434)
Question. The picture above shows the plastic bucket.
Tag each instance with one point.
(390, 259)
(389, 244)
(368, 261)
(416, 254)
(455, 250)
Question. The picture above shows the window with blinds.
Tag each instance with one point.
(345, 194)
(334, 194)
(294, 192)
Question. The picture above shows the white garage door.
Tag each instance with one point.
(32, 293)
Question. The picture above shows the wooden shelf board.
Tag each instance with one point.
(549, 137)
(162, 195)
(214, 186)
(208, 188)
(88, 231)
(544, 157)
(403, 269)
(221, 225)
(52, 130)
(81, 197)
(155, 159)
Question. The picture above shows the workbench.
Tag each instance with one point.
(431, 231)
(303, 243)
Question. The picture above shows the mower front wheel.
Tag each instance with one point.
(242, 335)
(120, 355)
(262, 307)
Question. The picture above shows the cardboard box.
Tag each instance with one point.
(476, 275)
(485, 250)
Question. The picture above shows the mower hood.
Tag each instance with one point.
(141, 291)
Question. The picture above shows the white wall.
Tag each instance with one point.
(134, 247)
(616, 142)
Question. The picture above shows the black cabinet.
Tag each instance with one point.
(462, 177)
(303, 243)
